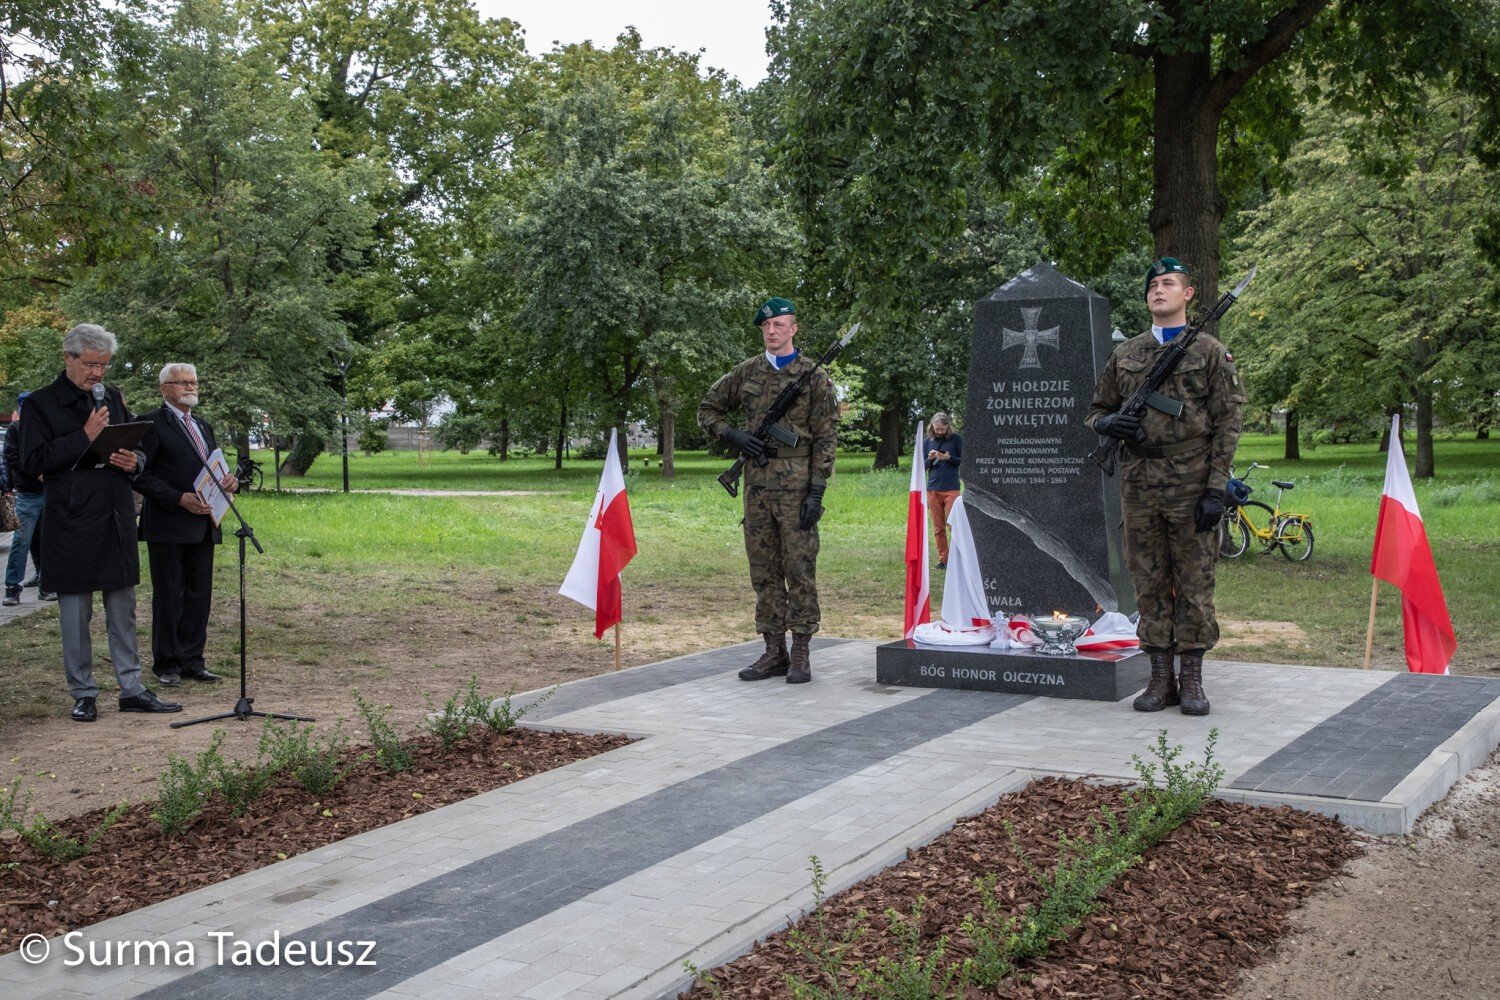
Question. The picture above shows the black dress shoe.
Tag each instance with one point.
(168, 680)
(85, 710)
(148, 702)
(204, 677)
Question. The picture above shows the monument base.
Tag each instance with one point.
(1094, 676)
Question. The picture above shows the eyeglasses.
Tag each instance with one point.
(184, 384)
(94, 366)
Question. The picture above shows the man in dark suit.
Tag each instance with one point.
(87, 516)
(178, 529)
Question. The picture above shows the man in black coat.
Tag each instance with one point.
(88, 518)
(28, 497)
(178, 529)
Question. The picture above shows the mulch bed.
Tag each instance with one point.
(135, 864)
(1207, 901)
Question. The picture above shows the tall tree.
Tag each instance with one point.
(1136, 115)
(236, 266)
(1376, 293)
(644, 231)
(66, 123)
(434, 94)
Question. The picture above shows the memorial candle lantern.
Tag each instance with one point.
(1057, 633)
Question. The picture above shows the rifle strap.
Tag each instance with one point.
(1165, 450)
(801, 451)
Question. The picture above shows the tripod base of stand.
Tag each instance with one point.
(242, 711)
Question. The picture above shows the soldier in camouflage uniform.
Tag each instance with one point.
(784, 497)
(1174, 472)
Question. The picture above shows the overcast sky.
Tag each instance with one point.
(732, 32)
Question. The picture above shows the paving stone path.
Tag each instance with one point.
(599, 879)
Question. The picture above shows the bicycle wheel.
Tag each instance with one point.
(1234, 537)
(1294, 536)
(1260, 519)
(257, 479)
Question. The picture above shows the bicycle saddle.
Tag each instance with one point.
(1282, 485)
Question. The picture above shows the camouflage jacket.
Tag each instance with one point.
(1201, 442)
(752, 386)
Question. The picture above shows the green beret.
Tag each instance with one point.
(774, 307)
(1166, 265)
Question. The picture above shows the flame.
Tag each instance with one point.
(1059, 616)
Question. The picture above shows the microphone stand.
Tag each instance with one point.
(243, 709)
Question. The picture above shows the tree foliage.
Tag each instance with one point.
(642, 230)
(1376, 294)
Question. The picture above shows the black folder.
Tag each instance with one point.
(110, 440)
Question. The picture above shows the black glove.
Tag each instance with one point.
(812, 508)
(1122, 426)
(749, 445)
(1210, 510)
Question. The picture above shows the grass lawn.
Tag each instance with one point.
(368, 581)
(690, 542)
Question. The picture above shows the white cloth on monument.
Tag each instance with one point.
(966, 613)
(1112, 631)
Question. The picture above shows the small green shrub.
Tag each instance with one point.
(499, 714)
(818, 945)
(13, 815)
(185, 786)
(50, 842)
(392, 753)
(318, 766)
(451, 723)
(241, 784)
(913, 974)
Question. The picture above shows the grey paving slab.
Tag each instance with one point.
(599, 879)
(1368, 748)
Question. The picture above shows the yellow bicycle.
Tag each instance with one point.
(1270, 526)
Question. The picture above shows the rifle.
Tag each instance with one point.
(770, 430)
(1104, 455)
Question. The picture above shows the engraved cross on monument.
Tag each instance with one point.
(1046, 522)
(1028, 338)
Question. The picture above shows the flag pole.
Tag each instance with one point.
(617, 646)
(1370, 631)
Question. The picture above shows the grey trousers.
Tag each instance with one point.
(74, 612)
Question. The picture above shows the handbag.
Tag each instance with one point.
(8, 519)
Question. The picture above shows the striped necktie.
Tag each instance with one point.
(197, 439)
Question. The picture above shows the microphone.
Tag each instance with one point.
(99, 395)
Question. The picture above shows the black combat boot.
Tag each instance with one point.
(1162, 691)
(1194, 701)
(801, 671)
(772, 663)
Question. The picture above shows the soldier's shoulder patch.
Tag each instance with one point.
(1229, 357)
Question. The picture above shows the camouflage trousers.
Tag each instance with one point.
(783, 562)
(1172, 567)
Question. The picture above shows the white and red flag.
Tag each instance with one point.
(965, 616)
(1403, 557)
(608, 544)
(918, 600)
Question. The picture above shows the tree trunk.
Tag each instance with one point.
(622, 446)
(666, 440)
(665, 387)
(1188, 205)
(1423, 468)
(888, 450)
(306, 447)
(562, 432)
(504, 439)
(1385, 431)
(1422, 393)
(1293, 445)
